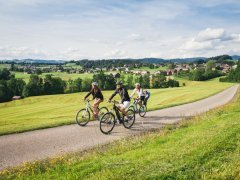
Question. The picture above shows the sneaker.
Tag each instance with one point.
(120, 121)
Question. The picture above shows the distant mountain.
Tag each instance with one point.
(143, 60)
(151, 60)
(186, 60)
(38, 61)
(236, 57)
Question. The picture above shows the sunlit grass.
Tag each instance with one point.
(205, 147)
(54, 110)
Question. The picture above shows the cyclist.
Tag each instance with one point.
(125, 99)
(97, 97)
(141, 96)
(147, 96)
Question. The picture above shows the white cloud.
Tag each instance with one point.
(210, 34)
(116, 53)
(210, 39)
(195, 45)
(9, 52)
(76, 29)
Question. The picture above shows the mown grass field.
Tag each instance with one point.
(63, 75)
(55, 110)
(152, 70)
(2, 66)
(205, 147)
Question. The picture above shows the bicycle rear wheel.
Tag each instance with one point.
(142, 110)
(102, 111)
(107, 123)
(83, 117)
(129, 121)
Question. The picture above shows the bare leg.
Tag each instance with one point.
(124, 112)
(95, 107)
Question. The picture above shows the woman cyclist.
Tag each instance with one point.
(97, 97)
(141, 96)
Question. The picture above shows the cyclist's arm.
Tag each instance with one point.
(114, 94)
(134, 91)
(88, 94)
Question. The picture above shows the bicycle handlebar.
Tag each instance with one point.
(113, 101)
(87, 100)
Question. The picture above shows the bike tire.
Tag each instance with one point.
(101, 111)
(132, 108)
(85, 115)
(107, 123)
(128, 122)
(142, 110)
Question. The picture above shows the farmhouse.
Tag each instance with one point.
(16, 97)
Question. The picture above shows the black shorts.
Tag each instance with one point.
(142, 98)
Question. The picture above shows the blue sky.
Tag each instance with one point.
(77, 29)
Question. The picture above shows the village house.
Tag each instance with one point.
(16, 98)
(116, 75)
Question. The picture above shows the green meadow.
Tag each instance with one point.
(55, 110)
(205, 147)
(63, 75)
(152, 70)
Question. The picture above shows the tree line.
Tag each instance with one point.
(233, 76)
(36, 86)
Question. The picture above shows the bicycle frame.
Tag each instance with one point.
(116, 110)
(88, 105)
(135, 102)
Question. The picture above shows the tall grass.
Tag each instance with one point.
(205, 147)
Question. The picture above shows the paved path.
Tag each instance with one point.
(39, 144)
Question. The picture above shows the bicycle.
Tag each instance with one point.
(83, 115)
(137, 108)
(109, 119)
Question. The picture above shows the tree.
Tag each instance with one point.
(110, 83)
(171, 66)
(16, 86)
(34, 86)
(158, 81)
(100, 78)
(5, 94)
(86, 84)
(130, 83)
(234, 75)
(5, 74)
(151, 66)
(74, 85)
(197, 75)
(53, 85)
(210, 65)
(146, 81)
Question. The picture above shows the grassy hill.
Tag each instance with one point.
(55, 110)
(205, 147)
(63, 75)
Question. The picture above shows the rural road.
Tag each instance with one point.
(39, 144)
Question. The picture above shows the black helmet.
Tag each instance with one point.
(119, 83)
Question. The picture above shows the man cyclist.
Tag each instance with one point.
(97, 97)
(125, 99)
(141, 96)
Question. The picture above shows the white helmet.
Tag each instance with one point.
(137, 84)
(95, 84)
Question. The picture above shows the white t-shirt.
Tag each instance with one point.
(138, 91)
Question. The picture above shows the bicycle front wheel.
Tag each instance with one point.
(107, 123)
(132, 108)
(129, 120)
(142, 110)
(83, 117)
